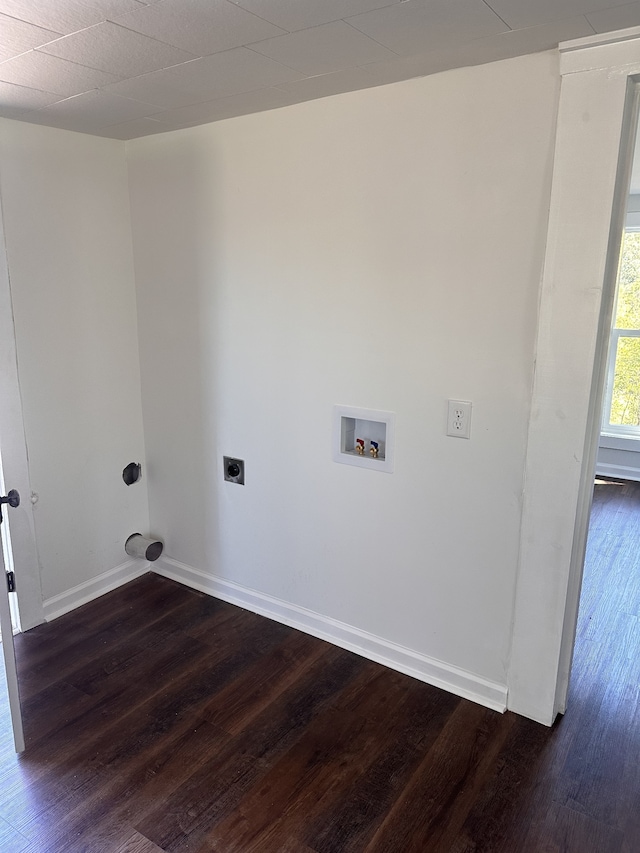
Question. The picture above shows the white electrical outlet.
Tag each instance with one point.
(459, 419)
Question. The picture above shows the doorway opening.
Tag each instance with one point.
(619, 442)
(606, 647)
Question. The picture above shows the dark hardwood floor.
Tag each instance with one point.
(159, 719)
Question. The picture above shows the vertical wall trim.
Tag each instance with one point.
(562, 440)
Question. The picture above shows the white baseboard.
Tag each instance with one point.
(87, 591)
(434, 672)
(618, 472)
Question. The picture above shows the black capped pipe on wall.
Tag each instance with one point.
(132, 473)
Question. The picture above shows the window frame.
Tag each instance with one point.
(626, 432)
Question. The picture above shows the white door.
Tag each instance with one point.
(8, 501)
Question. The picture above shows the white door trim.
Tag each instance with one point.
(575, 307)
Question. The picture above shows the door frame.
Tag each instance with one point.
(10, 664)
(591, 163)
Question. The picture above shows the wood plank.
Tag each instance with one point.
(444, 786)
(511, 796)
(53, 659)
(183, 668)
(149, 779)
(234, 707)
(135, 714)
(335, 749)
(564, 829)
(141, 602)
(137, 843)
(406, 732)
(12, 841)
(208, 797)
(109, 839)
(122, 798)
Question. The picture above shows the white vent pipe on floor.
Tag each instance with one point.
(148, 549)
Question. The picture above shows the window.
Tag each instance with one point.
(621, 411)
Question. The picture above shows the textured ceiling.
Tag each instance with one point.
(128, 68)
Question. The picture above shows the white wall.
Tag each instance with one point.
(68, 242)
(379, 249)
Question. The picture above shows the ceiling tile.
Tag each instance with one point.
(6, 53)
(418, 25)
(525, 13)
(232, 72)
(199, 26)
(16, 100)
(134, 129)
(246, 102)
(41, 71)
(405, 67)
(216, 76)
(329, 84)
(116, 50)
(298, 14)
(163, 88)
(528, 40)
(18, 36)
(320, 50)
(92, 111)
(478, 51)
(66, 16)
(618, 18)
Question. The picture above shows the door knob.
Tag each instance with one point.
(12, 498)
